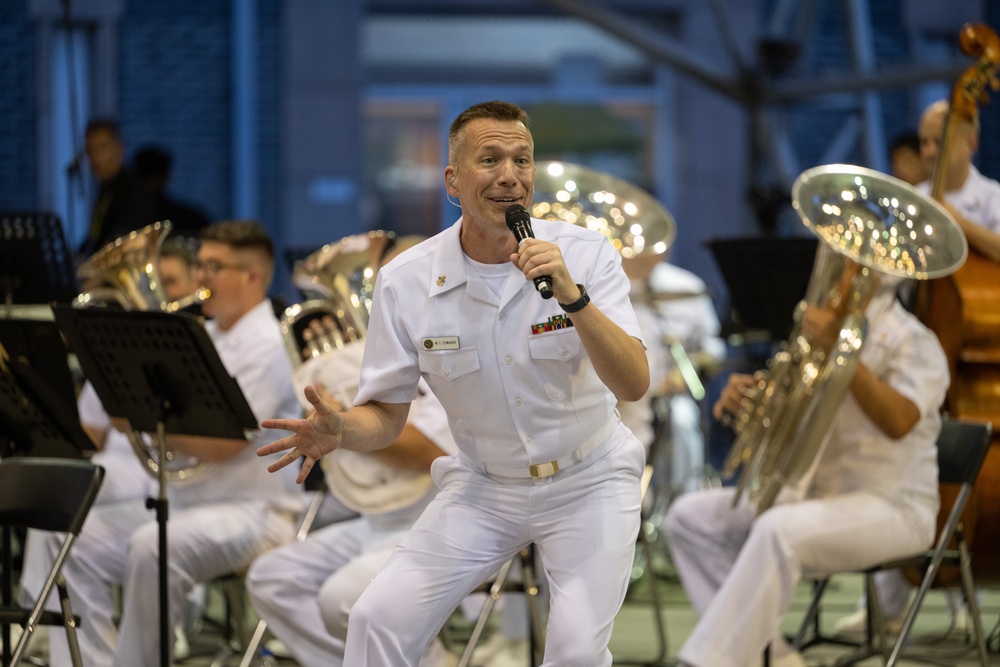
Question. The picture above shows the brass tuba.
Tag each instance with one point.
(875, 230)
(638, 226)
(124, 274)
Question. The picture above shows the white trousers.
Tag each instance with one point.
(119, 544)
(305, 590)
(740, 573)
(583, 521)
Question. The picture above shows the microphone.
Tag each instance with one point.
(519, 223)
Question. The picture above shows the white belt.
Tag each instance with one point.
(549, 468)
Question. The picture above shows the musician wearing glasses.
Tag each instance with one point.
(873, 494)
(223, 518)
(529, 386)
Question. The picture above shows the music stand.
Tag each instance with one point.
(38, 422)
(35, 263)
(766, 278)
(160, 372)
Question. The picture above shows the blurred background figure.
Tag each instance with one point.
(121, 204)
(154, 168)
(681, 330)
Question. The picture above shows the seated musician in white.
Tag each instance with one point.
(873, 496)
(223, 519)
(305, 590)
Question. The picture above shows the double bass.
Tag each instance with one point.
(963, 309)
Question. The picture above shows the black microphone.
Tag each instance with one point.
(519, 223)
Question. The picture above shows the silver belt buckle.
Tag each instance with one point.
(540, 470)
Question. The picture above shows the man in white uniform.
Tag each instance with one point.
(218, 522)
(529, 386)
(873, 496)
(305, 590)
(971, 198)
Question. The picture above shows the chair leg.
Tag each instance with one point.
(484, 614)
(965, 567)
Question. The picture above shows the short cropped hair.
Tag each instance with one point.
(496, 110)
(244, 235)
(240, 235)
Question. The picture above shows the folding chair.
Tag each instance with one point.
(55, 495)
(962, 448)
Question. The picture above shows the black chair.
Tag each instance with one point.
(962, 448)
(55, 495)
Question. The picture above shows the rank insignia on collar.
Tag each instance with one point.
(440, 280)
(554, 323)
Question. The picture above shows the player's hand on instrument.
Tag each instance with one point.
(732, 396)
(822, 327)
(312, 437)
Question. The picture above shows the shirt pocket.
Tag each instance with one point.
(556, 360)
(455, 378)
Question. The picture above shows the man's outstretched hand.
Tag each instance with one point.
(312, 437)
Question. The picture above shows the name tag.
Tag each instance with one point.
(441, 343)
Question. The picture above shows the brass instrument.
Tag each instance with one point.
(124, 274)
(339, 281)
(875, 230)
(638, 226)
(324, 337)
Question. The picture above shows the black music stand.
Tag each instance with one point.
(766, 276)
(36, 421)
(160, 372)
(35, 263)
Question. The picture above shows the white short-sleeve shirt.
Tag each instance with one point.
(978, 199)
(510, 370)
(904, 353)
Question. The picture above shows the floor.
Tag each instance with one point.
(636, 641)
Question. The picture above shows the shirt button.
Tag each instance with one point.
(517, 401)
(508, 361)
(445, 373)
(502, 316)
(563, 351)
(528, 440)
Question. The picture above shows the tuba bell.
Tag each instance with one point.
(124, 274)
(638, 226)
(875, 231)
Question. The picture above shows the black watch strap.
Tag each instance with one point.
(579, 304)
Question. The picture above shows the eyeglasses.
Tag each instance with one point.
(213, 266)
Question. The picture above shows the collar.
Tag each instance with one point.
(449, 269)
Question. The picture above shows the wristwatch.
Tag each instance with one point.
(579, 304)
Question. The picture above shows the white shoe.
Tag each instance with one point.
(793, 659)
(277, 648)
(856, 623)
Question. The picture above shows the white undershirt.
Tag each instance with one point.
(494, 275)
